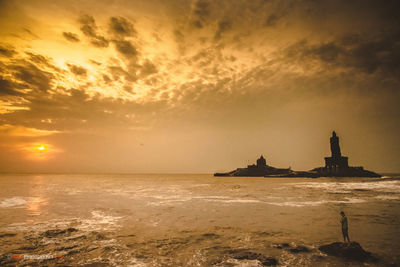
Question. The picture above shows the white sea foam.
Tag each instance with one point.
(226, 199)
(168, 201)
(385, 197)
(98, 221)
(177, 199)
(315, 203)
(12, 202)
(348, 187)
(235, 200)
(180, 199)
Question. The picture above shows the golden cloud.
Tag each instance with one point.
(21, 131)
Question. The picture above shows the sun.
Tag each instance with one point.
(40, 151)
(41, 147)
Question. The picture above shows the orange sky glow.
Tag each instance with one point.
(197, 86)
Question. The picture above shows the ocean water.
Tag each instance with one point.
(192, 220)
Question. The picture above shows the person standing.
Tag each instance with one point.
(345, 227)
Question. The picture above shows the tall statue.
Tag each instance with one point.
(335, 148)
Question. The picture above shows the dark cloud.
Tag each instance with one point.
(201, 8)
(372, 55)
(327, 52)
(88, 25)
(197, 24)
(350, 39)
(106, 79)
(201, 12)
(72, 37)
(42, 61)
(148, 68)
(74, 108)
(32, 76)
(117, 72)
(121, 26)
(27, 75)
(179, 37)
(95, 62)
(272, 20)
(38, 59)
(7, 51)
(8, 88)
(99, 41)
(223, 26)
(128, 88)
(28, 31)
(77, 70)
(125, 48)
(89, 29)
(364, 54)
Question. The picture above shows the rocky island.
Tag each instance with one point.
(335, 166)
(262, 169)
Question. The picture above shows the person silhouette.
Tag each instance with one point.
(345, 227)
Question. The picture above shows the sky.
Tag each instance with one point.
(197, 86)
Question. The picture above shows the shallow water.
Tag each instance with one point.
(193, 220)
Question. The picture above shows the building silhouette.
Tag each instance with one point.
(335, 166)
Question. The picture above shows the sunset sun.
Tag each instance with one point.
(41, 147)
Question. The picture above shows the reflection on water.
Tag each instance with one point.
(35, 205)
(37, 200)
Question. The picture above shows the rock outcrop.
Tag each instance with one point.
(261, 169)
(350, 251)
(244, 254)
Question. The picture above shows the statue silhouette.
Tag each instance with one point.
(335, 148)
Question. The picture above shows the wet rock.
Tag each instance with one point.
(264, 233)
(90, 248)
(56, 232)
(210, 235)
(5, 261)
(28, 248)
(108, 248)
(98, 236)
(217, 248)
(214, 260)
(7, 235)
(66, 248)
(243, 254)
(299, 249)
(282, 245)
(351, 251)
(74, 251)
(132, 235)
(72, 238)
(31, 264)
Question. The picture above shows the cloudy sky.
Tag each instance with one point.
(197, 86)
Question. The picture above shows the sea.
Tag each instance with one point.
(193, 220)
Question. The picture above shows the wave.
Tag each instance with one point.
(315, 203)
(98, 221)
(235, 200)
(228, 200)
(392, 186)
(385, 197)
(12, 202)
